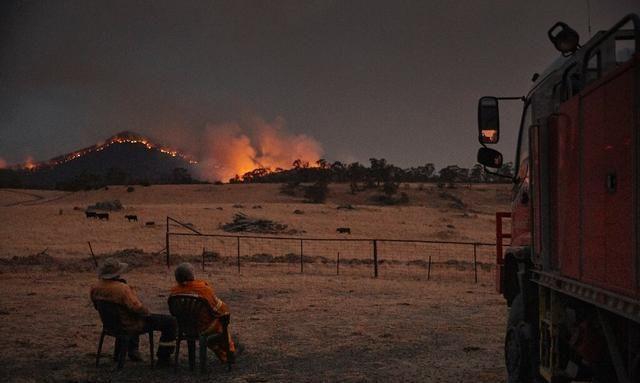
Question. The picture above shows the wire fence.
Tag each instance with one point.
(334, 256)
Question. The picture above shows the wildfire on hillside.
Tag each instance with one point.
(231, 150)
(120, 138)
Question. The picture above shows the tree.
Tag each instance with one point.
(450, 173)
(506, 170)
(477, 173)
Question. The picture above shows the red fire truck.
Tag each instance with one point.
(571, 274)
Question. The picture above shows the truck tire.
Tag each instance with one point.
(517, 344)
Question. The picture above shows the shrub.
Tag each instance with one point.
(130, 189)
(389, 188)
(317, 193)
(290, 188)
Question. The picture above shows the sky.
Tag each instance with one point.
(388, 79)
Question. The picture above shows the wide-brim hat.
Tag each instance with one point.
(111, 268)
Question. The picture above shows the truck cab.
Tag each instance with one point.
(571, 274)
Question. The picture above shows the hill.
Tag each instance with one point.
(124, 158)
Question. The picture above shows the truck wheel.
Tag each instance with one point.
(516, 344)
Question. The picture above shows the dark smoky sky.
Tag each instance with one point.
(392, 79)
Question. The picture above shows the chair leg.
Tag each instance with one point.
(203, 353)
(151, 347)
(175, 365)
(99, 348)
(122, 350)
(192, 354)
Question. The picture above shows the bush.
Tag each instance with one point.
(130, 189)
(317, 193)
(290, 188)
(389, 188)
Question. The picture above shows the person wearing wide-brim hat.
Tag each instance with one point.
(137, 320)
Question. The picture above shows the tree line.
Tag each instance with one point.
(378, 172)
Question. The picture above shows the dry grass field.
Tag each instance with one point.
(314, 326)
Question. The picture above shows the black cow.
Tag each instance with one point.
(102, 216)
(131, 217)
(90, 214)
(344, 230)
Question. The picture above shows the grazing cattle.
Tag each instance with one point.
(102, 216)
(344, 230)
(90, 214)
(131, 217)
(150, 223)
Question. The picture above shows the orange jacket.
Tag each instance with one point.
(206, 323)
(117, 291)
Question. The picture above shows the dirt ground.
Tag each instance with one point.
(314, 326)
(294, 328)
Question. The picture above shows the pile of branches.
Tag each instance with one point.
(242, 223)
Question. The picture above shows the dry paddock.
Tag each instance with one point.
(294, 327)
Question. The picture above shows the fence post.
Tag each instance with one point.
(375, 258)
(338, 264)
(203, 259)
(429, 269)
(475, 263)
(301, 258)
(238, 252)
(167, 242)
(95, 261)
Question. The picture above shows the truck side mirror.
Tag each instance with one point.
(488, 120)
(490, 158)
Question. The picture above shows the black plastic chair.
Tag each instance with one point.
(111, 315)
(187, 309)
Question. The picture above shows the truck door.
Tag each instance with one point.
(607, 184)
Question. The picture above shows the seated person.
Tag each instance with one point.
(137, 320)
(187, 284)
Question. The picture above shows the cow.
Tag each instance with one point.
(90, 214)
(102, 216)
(343, 230)
(131, 217)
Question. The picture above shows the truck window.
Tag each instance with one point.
(522, 155)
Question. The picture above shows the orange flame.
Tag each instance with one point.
(230, 152)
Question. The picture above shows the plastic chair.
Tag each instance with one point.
(111, 316)
(187, 309)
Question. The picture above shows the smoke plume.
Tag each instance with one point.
(232, 149)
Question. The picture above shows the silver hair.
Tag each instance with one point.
(184, 272)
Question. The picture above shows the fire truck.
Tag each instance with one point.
(571, 272)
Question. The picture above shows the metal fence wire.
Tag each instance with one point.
(333, 256)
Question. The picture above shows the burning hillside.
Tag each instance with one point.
(122, 159)
(224, 151)
(120, 138)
